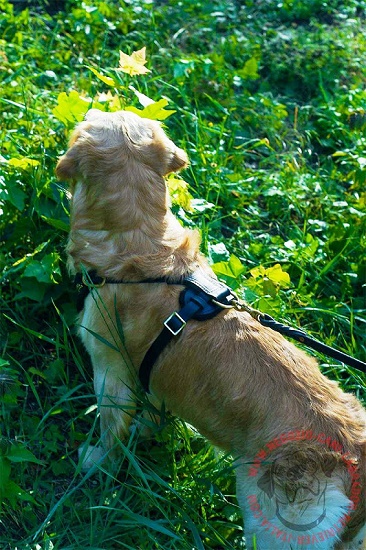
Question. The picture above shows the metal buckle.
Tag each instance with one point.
(177, 316)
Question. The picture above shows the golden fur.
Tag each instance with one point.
(238, 383)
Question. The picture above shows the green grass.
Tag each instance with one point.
(271, 108)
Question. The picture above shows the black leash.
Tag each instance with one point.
(203, 298)
(301, 336)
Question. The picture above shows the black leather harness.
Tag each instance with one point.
(203, 298)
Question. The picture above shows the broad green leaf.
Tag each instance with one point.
(157, 111)
(218, 252)
(178, 189)
(18, 453)
(12, 193)
(277, 275)
(268, 279)
(312, 245)
(258, 271)
(154, 111)
(37, 372)
(15, 493)
(44, 270)
(269, 288)
(250, 69)
(73, 107)
(23, 163)
(233, 268)
(58, 224)
(272, 306)
(236, 266)
(222, 268)
(54, 371)
(183, 68)
(31, 289)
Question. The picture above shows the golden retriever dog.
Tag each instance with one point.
(298, 440)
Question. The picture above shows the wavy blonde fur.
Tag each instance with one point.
(237, 382)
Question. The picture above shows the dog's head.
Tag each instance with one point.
(106, 142)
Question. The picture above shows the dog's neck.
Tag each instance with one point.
(130, 232)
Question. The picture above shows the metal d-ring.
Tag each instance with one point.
(93, 285)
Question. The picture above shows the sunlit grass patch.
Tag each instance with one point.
(268, 100)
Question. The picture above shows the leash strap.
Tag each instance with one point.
(300, 336)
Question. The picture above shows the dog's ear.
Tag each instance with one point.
(67, 166)
(178, 160)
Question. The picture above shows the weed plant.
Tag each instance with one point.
(269, 101)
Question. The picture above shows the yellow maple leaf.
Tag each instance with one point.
(133, 64)
(180, 195)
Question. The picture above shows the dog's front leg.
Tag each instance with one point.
(114, 386)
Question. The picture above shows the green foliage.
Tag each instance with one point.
(268, 100)
(10, 492)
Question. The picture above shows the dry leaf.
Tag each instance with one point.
(133, 64)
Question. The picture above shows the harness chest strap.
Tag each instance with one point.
(203, 299)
